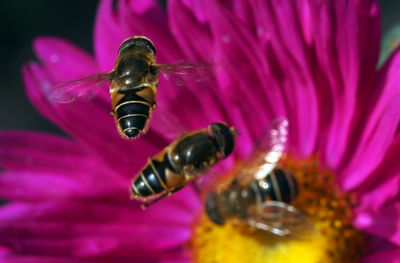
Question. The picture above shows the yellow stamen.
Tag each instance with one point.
(334, 239)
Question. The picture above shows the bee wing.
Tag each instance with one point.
(181, 73)
(267, 151)
(84, 88)
(280, 219)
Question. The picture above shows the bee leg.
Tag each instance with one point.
(169, 193)
(112, 112)
(144, 206)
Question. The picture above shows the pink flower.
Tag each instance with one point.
(313, 61)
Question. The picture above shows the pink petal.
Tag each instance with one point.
(181, 19)
(381, 192)
(382, 223)
(294, 59)
(107, 35)
(390, 256)
(182, 204)
(383, 184)
(240, 57)
(348, 62)
(15, 258)
(114, 230)
(64, 60)
(380, 127)
(38, 152)
(124, 243)
(41, 186)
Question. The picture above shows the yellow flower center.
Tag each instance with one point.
(333, 238)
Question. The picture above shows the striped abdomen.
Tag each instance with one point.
(278, 185)
(132, 114)
(152, 179)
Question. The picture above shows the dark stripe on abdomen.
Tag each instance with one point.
(132, 113)
(287, 191)
(153, 173)
(141, 187)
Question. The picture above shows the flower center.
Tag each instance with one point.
(332, 239)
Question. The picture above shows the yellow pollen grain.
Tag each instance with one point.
(333, 238)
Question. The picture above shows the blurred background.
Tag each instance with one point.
(22, 20)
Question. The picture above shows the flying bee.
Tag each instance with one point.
(133, 84)
(186, 159)
(260, 193)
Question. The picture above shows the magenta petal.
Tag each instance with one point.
(90, 230)
(63, 60)
(181, 19)
(15, 258)
(228, 34)
(90, 243)
(383, 222)
(78, 211)
(380, 127)
(382, 185)
(291, 64)
(390, 256)
(36, 152)
(348, 62)
(107, 35)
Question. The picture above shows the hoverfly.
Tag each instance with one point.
(260, 193)
(186, 159)
(133, 84)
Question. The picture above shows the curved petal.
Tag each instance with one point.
(64, 60)
(21, 151)
(383, 184)
(347, 46)
(184, 25)
(390, 256)
(383, 222)
(380, 127)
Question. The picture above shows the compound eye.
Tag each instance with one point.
(126, 45)
(137, 43)
(145, 43)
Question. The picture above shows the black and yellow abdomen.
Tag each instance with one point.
(153, 179)
(132, 114)
(278, 185)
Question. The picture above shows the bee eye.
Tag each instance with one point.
(137, 43)
(145, 43)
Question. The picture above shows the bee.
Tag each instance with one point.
(186, 159)
(260, 194)
(133, 85)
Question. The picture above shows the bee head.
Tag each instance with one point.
(137, 43)
(224, 136)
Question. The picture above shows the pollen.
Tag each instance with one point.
(332, 238)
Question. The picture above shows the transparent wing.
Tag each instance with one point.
(182, 73)
(267, 151)
(167, 124)
(280, 219)
(79, 89)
